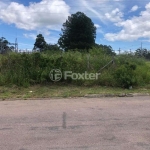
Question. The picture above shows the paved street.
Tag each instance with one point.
(76, 124)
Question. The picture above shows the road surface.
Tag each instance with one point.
(76, 124)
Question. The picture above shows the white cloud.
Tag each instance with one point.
(50, 37)
(115, 15)
(45, 32)
(91, 9)
(45, 14)
(30, 35)
(96, 9)
(97, 26)
(133, 29)
(134, 8)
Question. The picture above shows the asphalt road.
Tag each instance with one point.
(76, 124)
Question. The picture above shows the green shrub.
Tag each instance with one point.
(125, 75)
(27, 69)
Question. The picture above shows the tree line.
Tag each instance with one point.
(5, 46)
(78, 34)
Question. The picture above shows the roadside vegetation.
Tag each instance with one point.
(124, 71)
(63, 91)
(76, 51)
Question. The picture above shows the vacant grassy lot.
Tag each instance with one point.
(48, 91)
(26, 76)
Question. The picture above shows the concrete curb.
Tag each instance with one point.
(116, 95)
(85, 96)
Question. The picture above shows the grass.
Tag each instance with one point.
(51, 91)
(148, 63)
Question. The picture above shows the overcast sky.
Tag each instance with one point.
(120, 23)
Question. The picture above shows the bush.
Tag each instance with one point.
(125, 75)
(131, 71)
(27, 69)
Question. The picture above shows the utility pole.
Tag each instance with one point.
(16, 46)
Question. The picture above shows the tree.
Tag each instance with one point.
(78, 32)
(105, 49)
(4, 48)
(40, 43)
(143, 53)
(52, 47)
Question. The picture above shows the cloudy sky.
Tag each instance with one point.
(120, 23)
